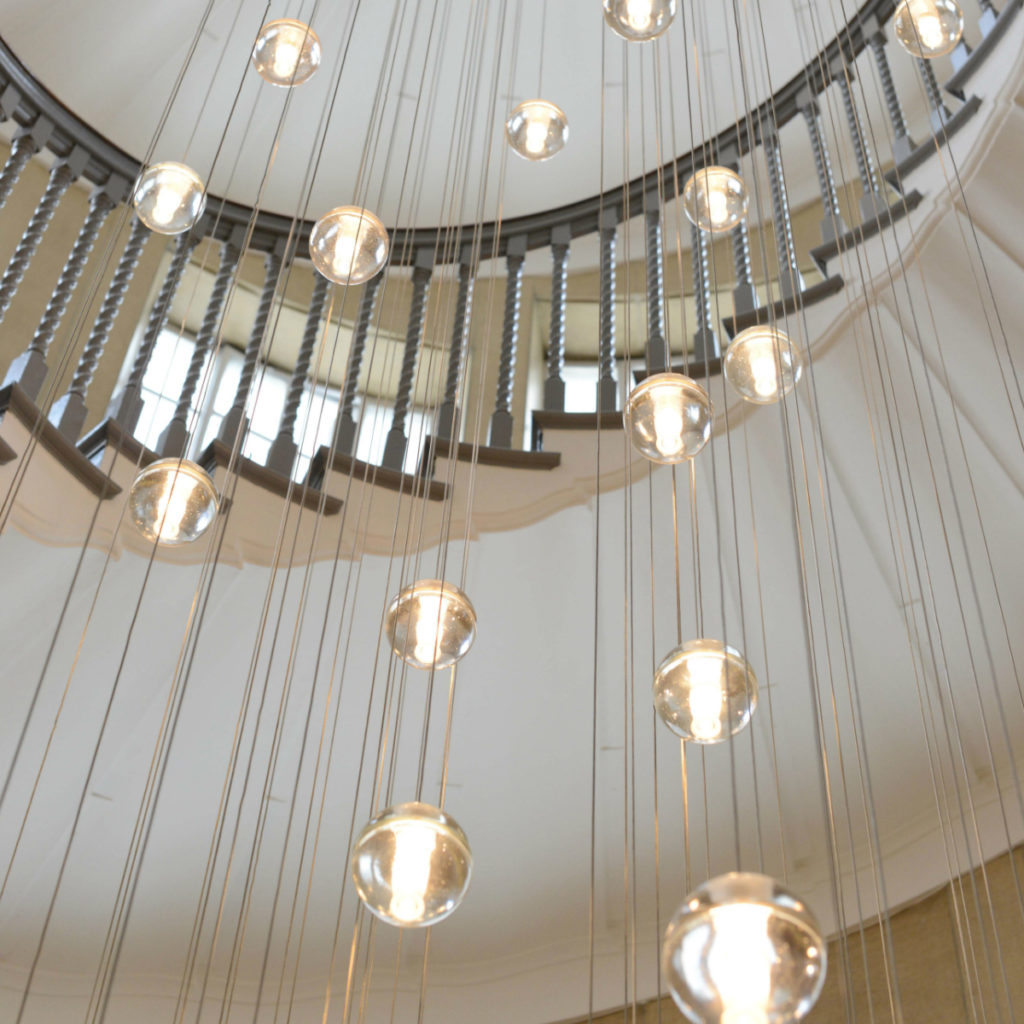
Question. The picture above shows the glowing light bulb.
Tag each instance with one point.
(169, 197)
(343, 258)
(171, 507)
(668, 426)
(536, 136)
(166, 205)
(706, 697)
(640, 14)
(427, 628)
(928, 28)
(286, 59)
(349, 245)
(410, 871)
(740, 962)
(718, 207)
(172, 501)
(762, 364)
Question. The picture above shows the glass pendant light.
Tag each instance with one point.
(639, 20)
(287, 52)
(705, 691)
(412, 865)
(431, 624)
(172, 501)
(668, 418)
(928, 28)
(537, 130)
(715, 199)
(762, 364)
(743, 950)
(169, 197)
(349, 245)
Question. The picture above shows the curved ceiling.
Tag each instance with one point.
(115, 65)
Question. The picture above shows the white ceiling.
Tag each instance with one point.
(115, 66)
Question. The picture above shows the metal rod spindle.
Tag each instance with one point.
(127, 406)
(789, 273)
(234, 424)
(939, 110)
(607, 386)
(744, 293)
(872, 205)
(501, 420)
(61, 177)
(281, 456)
(832, 225)
(23, 148)
(345, 428)
(705, 341)
(447, 419)
(174, 439)
(397, 440)
(554, 385)
(656, 353)
(69, 411)
(902, 146)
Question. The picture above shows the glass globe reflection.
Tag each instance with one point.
(172, 501)
(743, 950)
(349, 245)
(705, 691)
(169, 197)
(431, 624)
(639, 20)
(412, 865)
(715, 199)
(762, 364)
(287, 52)
(537, 130)
(928, 28)
(668, 418)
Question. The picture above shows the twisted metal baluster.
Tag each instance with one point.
(127, 407)
(233, 425)
(69, 412)
(872, 204)
(501, 418)
(657, 348)
(607, 386)
(705, 341)
(60, 178)
(940, 113)
(22, 150)
(789, 275)
(397, 442)
(744, 294)
(174, 439)
(832, 225)
(902, 145)
(446, 420)
(554, 385)
(345, 429)
(281, 456)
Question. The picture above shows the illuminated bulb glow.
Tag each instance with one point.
(172, 506)
(668, 423)
(706, 697)
(640, 14)
(410, 871)
(718, 206)
(168, 202)
(427, 628)
(536, 136)
(286, 59)
(764, 370)
(344, 254)
(928, 25)
(740, 960)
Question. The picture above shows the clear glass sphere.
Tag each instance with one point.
(705, 691)
(287, 52)
(928, 28)
(537, 130)
(431, 624)
(668, 418)
(743, 950)
(715, 199)
(762, 364)
(411, 865)
(169, 197)
(172, 501)
(639, 20)
(349, 245)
